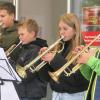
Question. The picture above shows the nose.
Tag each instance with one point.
(61, 32)
(20, 37)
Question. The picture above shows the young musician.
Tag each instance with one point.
(71, 87)
(8, 28)
(32, 87)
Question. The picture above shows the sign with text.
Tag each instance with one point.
(91, 24)
(89, 36)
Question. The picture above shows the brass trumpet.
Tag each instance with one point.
(11, 49)
(55, 75)
(22, 70)
(37, 68)
(1, 23)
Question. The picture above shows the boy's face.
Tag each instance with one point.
(6, 18)
(25, 36)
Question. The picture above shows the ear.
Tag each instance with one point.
(12, 16)
(33, 33)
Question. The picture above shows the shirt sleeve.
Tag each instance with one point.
(94, 64)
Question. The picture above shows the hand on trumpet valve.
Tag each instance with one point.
(48, 56)
(77, 49)
(83, 59)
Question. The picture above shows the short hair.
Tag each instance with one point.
(8, 6)
(29, 24)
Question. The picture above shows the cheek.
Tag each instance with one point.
(68, 35)
(71, 35)
(6, 23)
(24, 40)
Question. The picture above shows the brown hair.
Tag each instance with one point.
(8, 6)
(30, 24)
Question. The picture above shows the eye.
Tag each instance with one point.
(2, 16)
(65, 28)
(20, 34)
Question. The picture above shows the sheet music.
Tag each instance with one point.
(8, 91)
(6, 70)
(7, 75)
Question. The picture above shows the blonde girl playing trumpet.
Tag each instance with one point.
(73, 87)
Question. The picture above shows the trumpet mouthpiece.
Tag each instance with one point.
(62, 37)
(1, 23)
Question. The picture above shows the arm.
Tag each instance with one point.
(58, 61)
(94, 63)
(55, 60)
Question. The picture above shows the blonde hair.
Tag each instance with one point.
(29, 24)
(73, 21)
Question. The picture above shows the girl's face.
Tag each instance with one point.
(66, 31)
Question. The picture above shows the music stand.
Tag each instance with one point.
(7, 76)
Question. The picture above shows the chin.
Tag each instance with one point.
(23, 43)
(65, 39)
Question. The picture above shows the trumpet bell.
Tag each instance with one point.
(53, 76)
(21, 71)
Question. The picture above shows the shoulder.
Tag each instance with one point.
(12, 28)
(41, 42)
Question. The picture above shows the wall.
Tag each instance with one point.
(59, 8)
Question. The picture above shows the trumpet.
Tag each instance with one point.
(22, 70)
(1, 24)
(56, 75)
(11, 49)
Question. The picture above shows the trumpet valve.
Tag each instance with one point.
(67, 74)
(32, 69)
